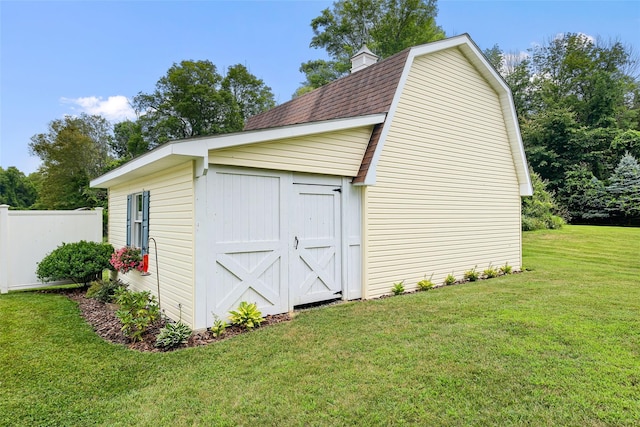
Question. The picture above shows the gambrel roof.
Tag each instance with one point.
(367, 97)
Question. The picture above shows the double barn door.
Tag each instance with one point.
(274, 241)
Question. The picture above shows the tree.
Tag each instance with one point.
(584, 195)
(588, 77)
(127, 141)
(495, 57)
(578, 105)
(624, 189)
(250, 94)
(16, 189)
(385, 26)
(73, 151)
(545, 141)
(193, 99)
(540, 210)
(627, 141)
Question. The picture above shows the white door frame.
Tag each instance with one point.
(327, 269)
(350, 233)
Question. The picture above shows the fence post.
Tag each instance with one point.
(99, 234)
(4, 249)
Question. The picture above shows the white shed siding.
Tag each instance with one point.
(447, 196)
(171, 224)
(333, 153)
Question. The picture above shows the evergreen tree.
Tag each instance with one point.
(624, 190)
(585, 195)
(540, 210)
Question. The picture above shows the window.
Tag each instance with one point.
(138, 220)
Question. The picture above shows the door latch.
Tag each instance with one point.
(295, 243)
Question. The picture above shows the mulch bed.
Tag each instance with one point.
(102, 319)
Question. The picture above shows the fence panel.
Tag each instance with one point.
(27, 236)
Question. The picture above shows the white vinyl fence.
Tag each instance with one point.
(27, 236)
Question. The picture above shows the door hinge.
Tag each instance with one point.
(339, 189)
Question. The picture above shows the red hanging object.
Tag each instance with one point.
(145, 263)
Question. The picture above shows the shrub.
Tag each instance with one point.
(138, 311)
(80, 262)
(471, 275)
(94, 287)
(424, 284)
(398, 288)
(450, 279)
(490, 272)
(506, 269)
(172, 335)
(247, 315)
(540, 211)
(218, 328)
(126, 259)
(104, 291)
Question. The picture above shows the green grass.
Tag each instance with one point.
(558, 345)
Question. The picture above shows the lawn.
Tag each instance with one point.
(557, 345)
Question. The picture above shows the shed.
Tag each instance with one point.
(409, 167)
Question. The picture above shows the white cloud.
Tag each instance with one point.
(585, 37)
(114, 108)
(510, 60)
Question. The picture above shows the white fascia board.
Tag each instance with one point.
(186, 149)
(292, 131)
(517, 146)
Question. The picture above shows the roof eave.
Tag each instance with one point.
(177, 152)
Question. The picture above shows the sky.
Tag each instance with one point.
(64, 58)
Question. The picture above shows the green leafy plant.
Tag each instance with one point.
(94, 287)
(506, 269)
(80, 262)
(104, 290)
(490, 272)
(472, 275)
(173, 335)
(218, 327)
(450, 279)
(398, 288)
(424, 284)
(247, 315)
(138, 311)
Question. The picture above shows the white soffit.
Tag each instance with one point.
(176, 152)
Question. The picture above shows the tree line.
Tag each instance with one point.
(578, 105)
(577, 100)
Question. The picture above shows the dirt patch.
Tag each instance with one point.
(102, 319)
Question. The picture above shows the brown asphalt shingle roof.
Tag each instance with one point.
(368, 154)
(368, 91)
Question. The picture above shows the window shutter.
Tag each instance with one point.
(145, 222)
(129, 213)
